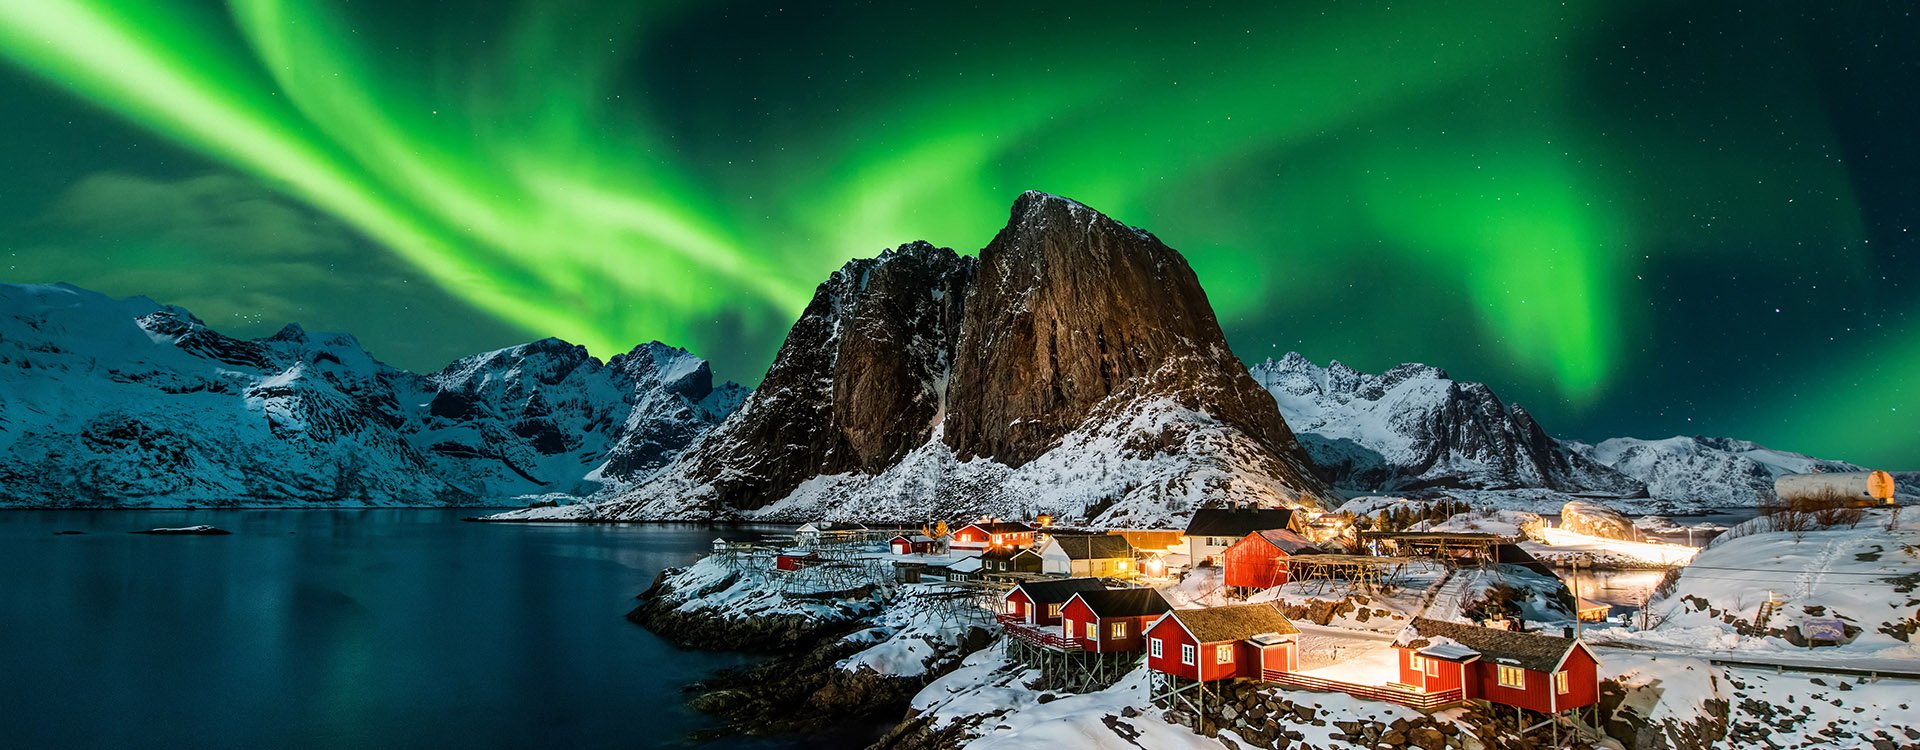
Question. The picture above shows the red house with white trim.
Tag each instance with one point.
(1537, 672)
(1222, 643)
(915, 544)
(1112, 620)
(975, 537)
(1041, 602)
(1259, 559)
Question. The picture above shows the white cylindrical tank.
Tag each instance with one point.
(1862, 485)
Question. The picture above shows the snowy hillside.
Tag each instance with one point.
(129, 403)
(1863, 576)
(1413, 427)
(1714, 472)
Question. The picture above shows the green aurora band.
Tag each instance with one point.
(1325, 154)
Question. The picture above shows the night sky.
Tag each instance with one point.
(1634, 218)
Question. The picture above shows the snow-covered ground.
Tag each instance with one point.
(1865, 576)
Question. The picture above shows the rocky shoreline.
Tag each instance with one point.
(801, 688)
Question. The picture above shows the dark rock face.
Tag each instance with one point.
(855, 386)
(1072, 307)
(910, 365)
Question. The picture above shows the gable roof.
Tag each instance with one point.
(1237, 521)
(965, 565)
(1140, 602)
(1285, 541)
(1000, 553)
(1000, 527)
(1535, 651)
(1093, 546)
(1233, 623)
(1058, 590)
(915, 538)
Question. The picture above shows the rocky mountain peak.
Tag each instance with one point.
(1074, 346)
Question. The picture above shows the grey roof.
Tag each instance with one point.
(1287, 541)
(1140, 602)
(1234, 623)
(1059, 590)
(1093, 546)
(1237, 521)
(1540, 653)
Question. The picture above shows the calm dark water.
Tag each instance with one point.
(338, 628)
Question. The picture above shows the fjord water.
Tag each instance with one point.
(338, 628)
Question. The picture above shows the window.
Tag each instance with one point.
(1223, 654)
(1560, 682)
(1153, 647)
(1070, 627)
(1186, 654)
(1513, 677)
(1416, 663)
(1117, 630)
(1433, 668)
(1125, 565)
(1053, 610)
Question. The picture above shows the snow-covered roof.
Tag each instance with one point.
(966, 565)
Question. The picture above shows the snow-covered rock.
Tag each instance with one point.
(1414, 428)
(130, 403)
(1705, 471)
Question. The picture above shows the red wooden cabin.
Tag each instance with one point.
(1221, 643)
(990, 534)
(916, 544)
(1259, 559)
(1533, 671)
(1040, 602)
(1112, 620)
(791, 561)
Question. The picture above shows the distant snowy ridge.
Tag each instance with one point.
(130, 403)
(1413, 429)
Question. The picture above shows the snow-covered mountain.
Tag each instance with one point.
(1414, 428)
(1075, 368)
(1709, 471)
(130, 403)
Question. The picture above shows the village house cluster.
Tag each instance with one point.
(1085, 607)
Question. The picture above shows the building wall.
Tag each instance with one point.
(1435, 675)
(1535, 696)
(1253, 563)
(1583, 681)
(1021, 606)
(1172, 637)
(1089, 623)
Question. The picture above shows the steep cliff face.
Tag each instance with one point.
(128, 403)
(1076, 368)
(1413, 428)
(857, 384)
(1072, 308)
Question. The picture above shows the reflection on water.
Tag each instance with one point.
(1621, 588)
(337, 628)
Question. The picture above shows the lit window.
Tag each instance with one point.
(1186, 654)
(1125, 565)
(1560, 682)
(1053, 610)
(1513, 677)
(1117, 630)
(1153, 647)
(1070, 627)
(1223, 654)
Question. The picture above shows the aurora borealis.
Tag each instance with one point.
(1634, 218)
